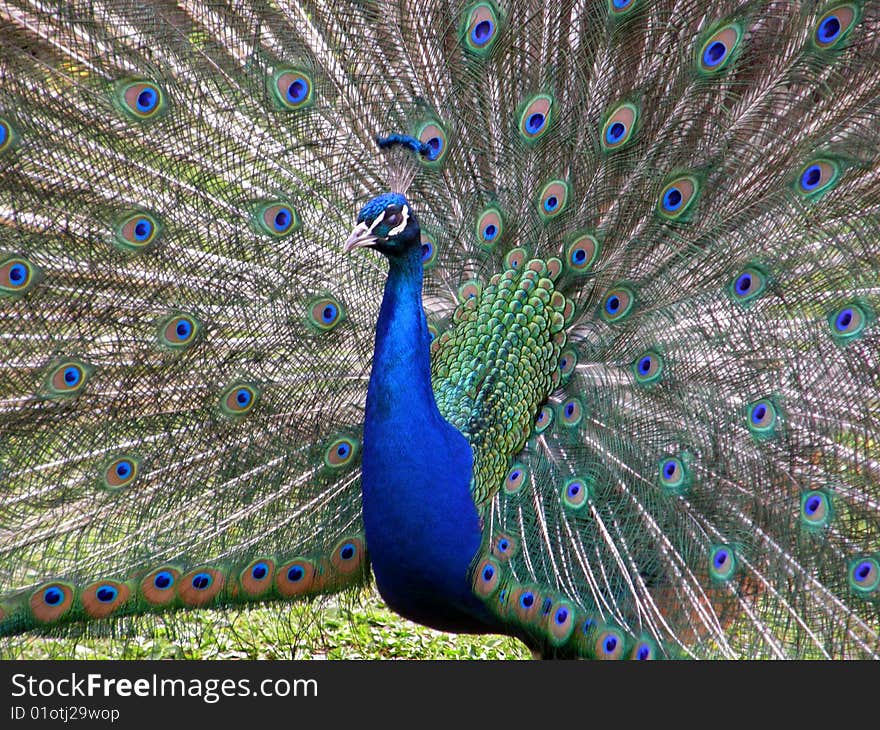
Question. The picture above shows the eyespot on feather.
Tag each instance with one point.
(257, 578)
(722, 563)
(648, 368)
(239, 399)
(504, 546)
(481, 28)
(17, 276)
(67, 379)
(748, 285)
(296, 578)
(487, 577)
(609, 644)
(621, 7)
(553, 199)
(848, 322)
(763, 418)
(720, 48)
(51, 601)
(560, 622)
(102, 598)
(571, 412)
(275, 218)
(581, 254)
(617, 304)
(200, 586)
(674, 473)
(140, 100)
(644, 650)
(815, 509)
(469, 290)
(517, 477)
(429, 250)
(325, 313)
(292, 89)
(8, 135)
(490, 228)
(543, 419)
(136, 231)
(341, 452)
(536, 117)
(567, 364)
(677, 197)
(178, 331)
(834, 26)
(119, 472)
(864, 576)
(817, 177)
(619, 127)
(434, 136)
(515, 258)
(575, 494)
(554, 268)
(159, 588)
(348, 555)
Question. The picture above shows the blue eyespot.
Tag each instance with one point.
(743, 284)
(297, 91)
(722, 563)
(643, 653)
(243, 397)
(343, 450)
(348, 551)
(561, 616)
(4, 133)
(53, 596)
(106, 594)
(490, 231)
(296, 574)
(828, 30)
(72, 376)
(527, 600)
(202, 581)
(551, 203)
(143, 229)
(17, 274)
(482, 32)
(612, 304)
(488, 573)
(163, 579)
(147, 100)
(427, 251)
(720, 559)
(282, 219)
(610, 644)
(672, 199)
(714, 54)
(535, 123)
(183, 329)
(435, 147)
(811, 177)
(329, 313)
(621, 4)
(759, 412)
(124, 469)
(260, 571)
(615, 133)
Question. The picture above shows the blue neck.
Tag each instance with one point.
(421, 525)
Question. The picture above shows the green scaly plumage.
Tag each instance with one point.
(652, 247)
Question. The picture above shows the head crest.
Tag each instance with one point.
(402, 155)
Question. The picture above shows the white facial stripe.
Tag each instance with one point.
(399, 229)
(376, 222)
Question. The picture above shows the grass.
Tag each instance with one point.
(351, 627)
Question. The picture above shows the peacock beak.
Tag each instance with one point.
(360, 237)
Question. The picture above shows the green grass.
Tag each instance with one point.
(358, 627)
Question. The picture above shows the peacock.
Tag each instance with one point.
(554, 320)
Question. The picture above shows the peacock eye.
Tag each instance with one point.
(393, 218)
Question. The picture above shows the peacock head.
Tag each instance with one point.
(387, 224)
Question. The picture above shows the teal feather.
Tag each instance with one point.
(636, 414)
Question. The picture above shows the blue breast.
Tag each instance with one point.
(422, 528)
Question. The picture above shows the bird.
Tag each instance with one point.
(553, 320)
